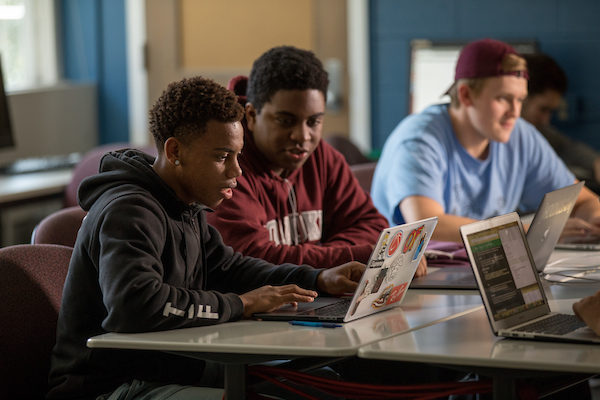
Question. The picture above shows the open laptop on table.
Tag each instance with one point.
(510, 285)
(383, 285)
(589, 242)
(543, 235)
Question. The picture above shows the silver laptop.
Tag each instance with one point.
(383, 285)
(510, 285)
(543, 235)
(550, 219)
(588, 242)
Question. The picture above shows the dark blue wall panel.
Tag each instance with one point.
(568, 31)
(79, 37)
(114, 121)
(94, 49)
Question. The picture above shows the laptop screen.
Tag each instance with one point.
(508, 277)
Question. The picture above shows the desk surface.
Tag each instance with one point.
(282, 339)
(39, 184)
(468, 341)
(420, 309)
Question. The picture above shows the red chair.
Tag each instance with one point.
(30, 293)
(90, 164)
(60, 227)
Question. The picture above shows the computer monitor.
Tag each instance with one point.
(6, 134)
(432, 65)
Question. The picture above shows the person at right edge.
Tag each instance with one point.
(547, 85)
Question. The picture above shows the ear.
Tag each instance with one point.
(250, 116)
(172, 150)
(464, 94)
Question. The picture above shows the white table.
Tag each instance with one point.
(21, 187)
(467, 341)
(238, 344)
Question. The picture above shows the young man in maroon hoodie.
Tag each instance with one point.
(297, 201)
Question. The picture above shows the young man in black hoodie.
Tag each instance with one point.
(146, 260)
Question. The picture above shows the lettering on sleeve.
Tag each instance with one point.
(204, 311)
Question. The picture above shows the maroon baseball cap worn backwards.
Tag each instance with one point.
(483, 58)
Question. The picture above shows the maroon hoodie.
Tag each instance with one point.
(318, 216)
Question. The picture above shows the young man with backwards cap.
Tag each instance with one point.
(475, 158)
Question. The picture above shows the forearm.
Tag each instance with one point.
(587, 206)
(415, 208)
(448, 226)
(251, 273)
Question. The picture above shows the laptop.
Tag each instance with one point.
(510, 286)
(589, 242)
(550, 219)
(543, 235)
(586, 243)
(383, 285)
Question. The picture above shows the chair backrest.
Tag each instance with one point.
(60, 227)
(90, 165)
(30, 293)
(349, 150)
(364, 174)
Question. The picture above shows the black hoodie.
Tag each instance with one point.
(145, 261)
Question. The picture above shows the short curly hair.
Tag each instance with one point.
(285, 68)
(185, 108)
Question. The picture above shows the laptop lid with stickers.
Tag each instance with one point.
(383, 285)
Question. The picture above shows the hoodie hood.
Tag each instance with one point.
(128, 171)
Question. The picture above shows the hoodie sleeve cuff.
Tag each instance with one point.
(237, 306)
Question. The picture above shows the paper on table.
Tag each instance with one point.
(580, 267)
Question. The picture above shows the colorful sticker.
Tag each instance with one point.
(382, 299)
(397, 294)
(412, 238)
(394, 243)
(420, 247)
(394, 268)
(379, 280)
(365, 292)
(383, 246)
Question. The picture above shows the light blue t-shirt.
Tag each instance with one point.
(423, 157)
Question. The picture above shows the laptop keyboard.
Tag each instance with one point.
(465, 280)
(558, 324)
(338, 308)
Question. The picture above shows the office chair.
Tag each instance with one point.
(364, 174)
(90, 164)
(60, 227)
(30, 293)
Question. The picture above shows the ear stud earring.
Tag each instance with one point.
(177, 162)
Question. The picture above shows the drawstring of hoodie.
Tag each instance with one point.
(294, 215)
(191, 216)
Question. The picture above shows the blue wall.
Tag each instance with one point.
(568, 31)
(93, 36)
